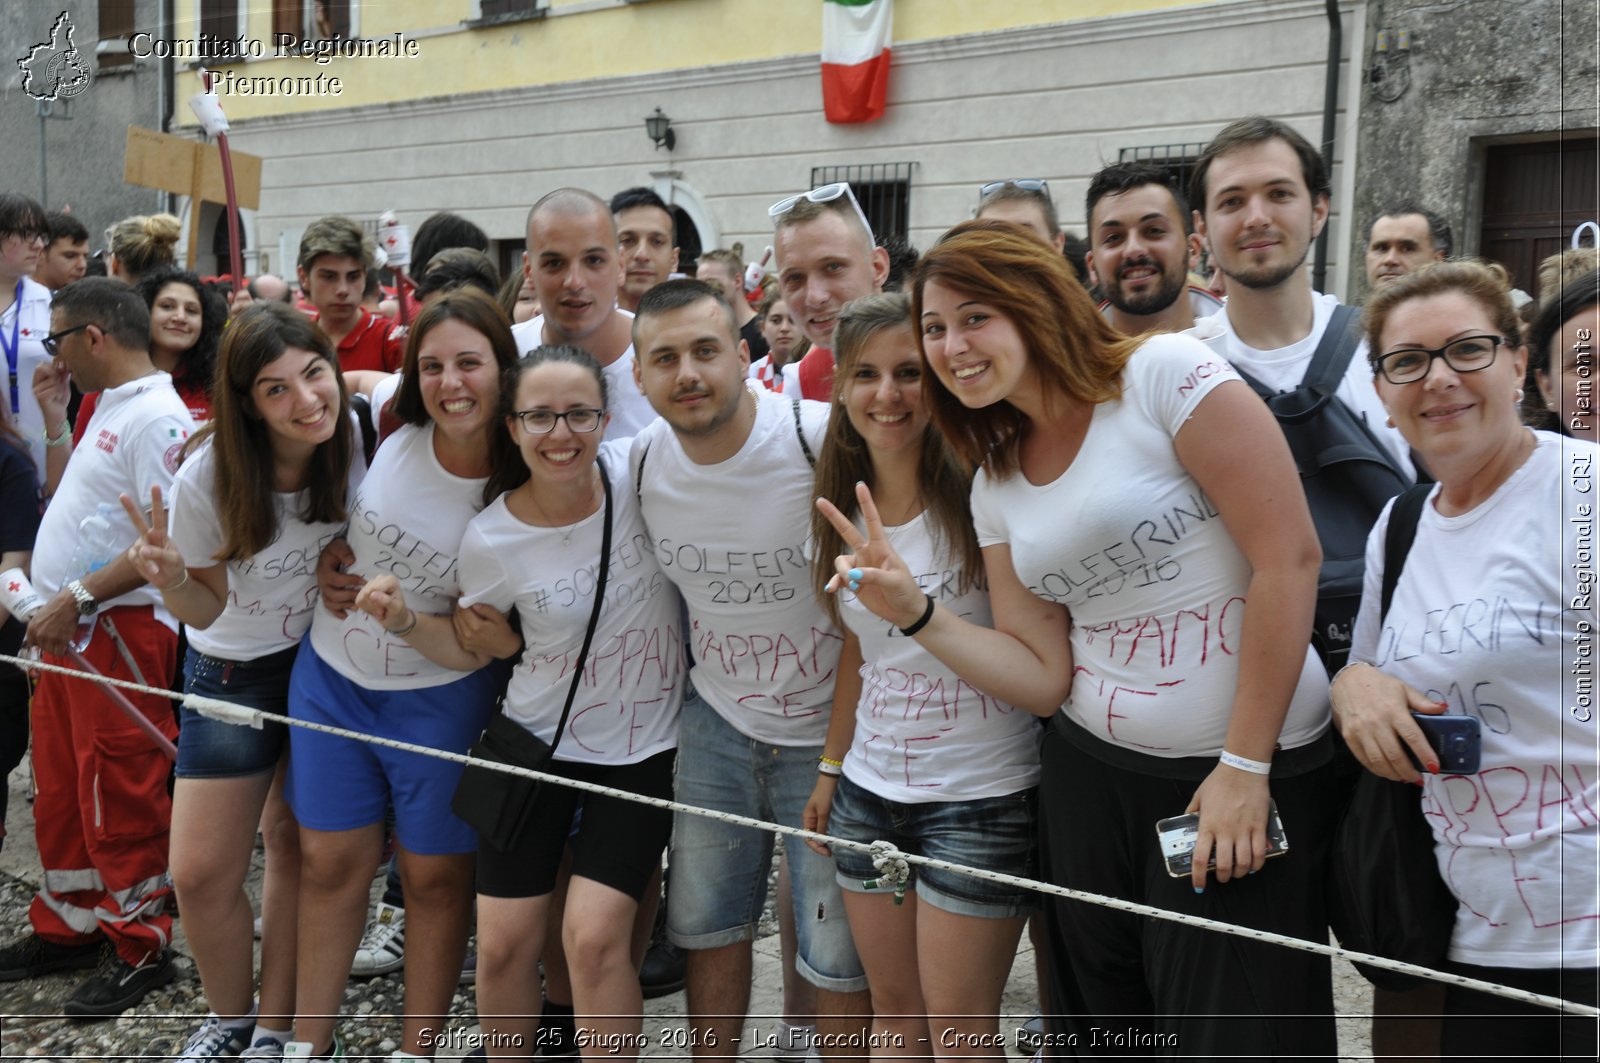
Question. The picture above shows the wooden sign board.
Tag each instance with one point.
(189, 168)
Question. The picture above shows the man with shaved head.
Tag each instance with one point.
(573, 266)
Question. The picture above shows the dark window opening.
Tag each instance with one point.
(882, 188)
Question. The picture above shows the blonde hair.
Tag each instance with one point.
(1563, 267)
(144, 242)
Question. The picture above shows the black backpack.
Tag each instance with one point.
(1348, 476)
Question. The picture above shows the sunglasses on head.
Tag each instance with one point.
(823, 194)
(1027, 184)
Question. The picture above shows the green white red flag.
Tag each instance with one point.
(855, 58)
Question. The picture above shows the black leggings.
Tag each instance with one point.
(1483, 1026)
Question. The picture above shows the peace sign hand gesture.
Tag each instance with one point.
(153, 556)
(876, 575)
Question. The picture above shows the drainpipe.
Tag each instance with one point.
(1330, 104)
(165, 85)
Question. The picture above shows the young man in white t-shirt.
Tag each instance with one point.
(725, 485)
(1260, 193)
(573, 265)
(103, 839)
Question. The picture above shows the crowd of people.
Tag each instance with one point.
(993, 556)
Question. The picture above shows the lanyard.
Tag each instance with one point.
(11, 348)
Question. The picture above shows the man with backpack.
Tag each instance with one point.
(1261, 192)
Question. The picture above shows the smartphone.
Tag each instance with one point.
(1177, 836)
(1458, 740)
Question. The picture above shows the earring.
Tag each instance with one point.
(1389, 421)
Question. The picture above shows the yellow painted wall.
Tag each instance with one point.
(585, 43)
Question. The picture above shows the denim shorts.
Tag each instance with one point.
(992, 833)
(211, 749)
(719, 870)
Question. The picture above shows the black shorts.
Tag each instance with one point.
(618, 843)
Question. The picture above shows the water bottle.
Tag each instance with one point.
(96, 547)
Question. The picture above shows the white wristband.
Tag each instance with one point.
(1254, 767)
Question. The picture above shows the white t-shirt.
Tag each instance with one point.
(1283, 369)
(407, 518)
(1490, 616)
(630, 410)
(922, 734)
(131, 444)
(627, 704)
(1129, 543)
(732, 537)
(273, 595)
(31, 317)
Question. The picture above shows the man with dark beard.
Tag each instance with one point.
(1141, 248)
(1261, 194)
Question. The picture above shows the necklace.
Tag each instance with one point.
(566, 535)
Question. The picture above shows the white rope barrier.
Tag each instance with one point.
(891, 863)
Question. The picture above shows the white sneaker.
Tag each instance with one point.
(264, 1048)
(383, 946)
(796, 1044)
(213, 1041)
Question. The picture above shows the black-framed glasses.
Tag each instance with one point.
(581, 419)
(1466, 355)
(821, 194)
(1027, 184)
(52, 342)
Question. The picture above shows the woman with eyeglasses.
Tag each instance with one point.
(374, 674)
(24, 325)
(1493, 617)
(1132, 496)
(537, 549)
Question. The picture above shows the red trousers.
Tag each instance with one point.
(102, 811)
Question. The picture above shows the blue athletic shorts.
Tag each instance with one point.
(341, 784)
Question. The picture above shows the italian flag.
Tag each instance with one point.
(855, 58)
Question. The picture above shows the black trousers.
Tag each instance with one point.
(1128, 986)
(1483, 1026)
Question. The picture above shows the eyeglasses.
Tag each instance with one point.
(581, 419)
(824, 194)
(1466, 355)
(1027, 184)
(52, 342)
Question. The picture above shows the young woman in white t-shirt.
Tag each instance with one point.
(264, 490)
(427, 481)
(537, 549)
(1131, 495)
(1493, 617)
(913, 755)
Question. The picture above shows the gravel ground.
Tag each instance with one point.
(32, 1027)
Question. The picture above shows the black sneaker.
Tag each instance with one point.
(32, 956)
(118, 986)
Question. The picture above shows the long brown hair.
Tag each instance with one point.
(944, 483)
(483, 315)
(1075, 350)
(242, 443)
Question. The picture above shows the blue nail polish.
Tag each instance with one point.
(855, 586)
(854, 575)
(1199, 889)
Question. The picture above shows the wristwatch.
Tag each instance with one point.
(87, 606)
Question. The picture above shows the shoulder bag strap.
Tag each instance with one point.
(594, 614)
(1398, 536)
(1338, 345)
(800, 431)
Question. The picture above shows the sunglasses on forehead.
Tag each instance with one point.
(1027, 184)
(824, 194)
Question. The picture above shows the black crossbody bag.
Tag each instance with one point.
(1386, 895)
(494, 803)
